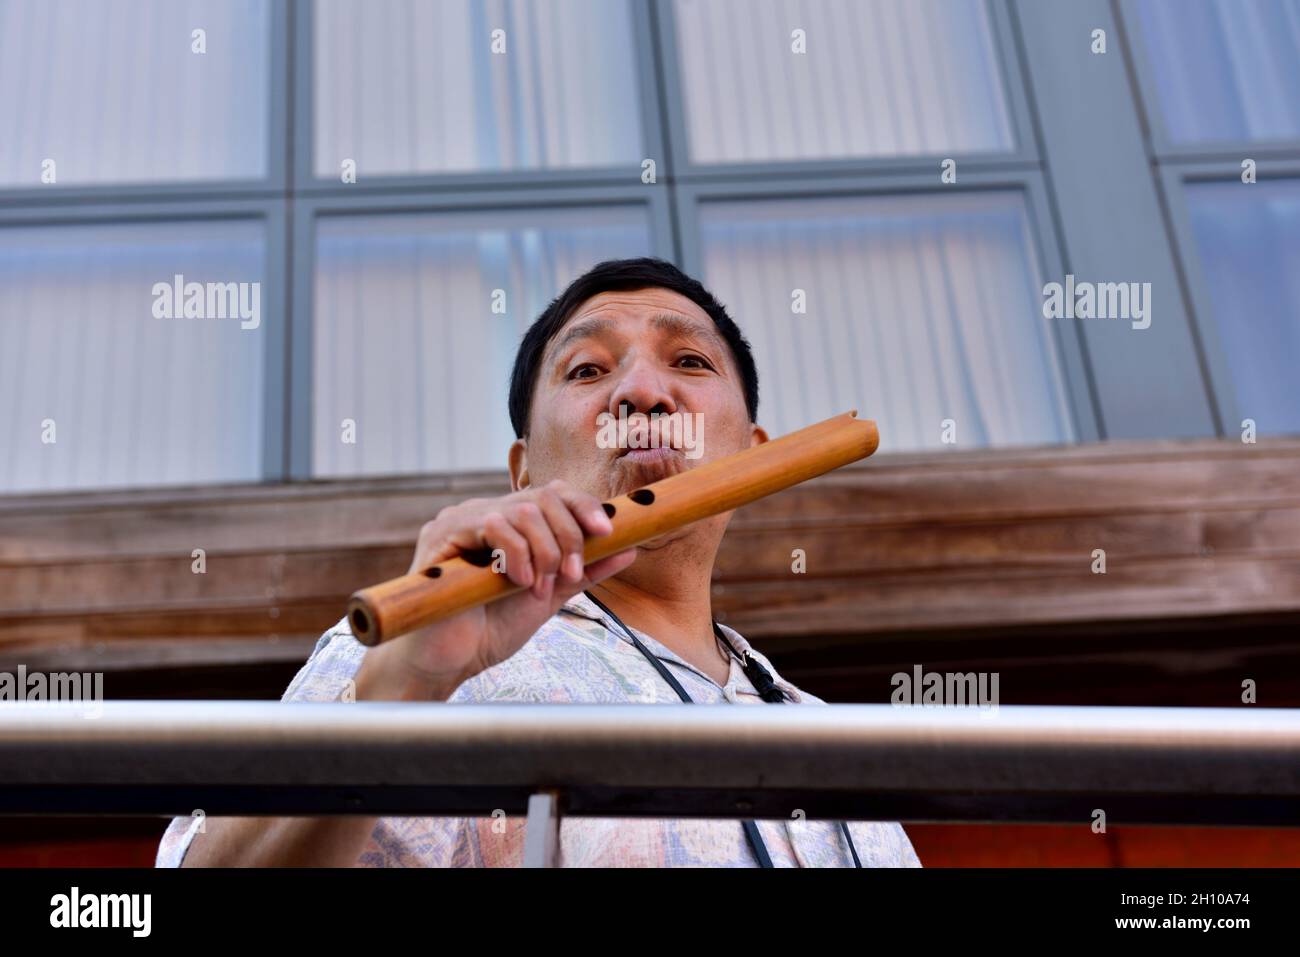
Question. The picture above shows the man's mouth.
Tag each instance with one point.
(650, 456)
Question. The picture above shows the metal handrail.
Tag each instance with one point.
(851, 762)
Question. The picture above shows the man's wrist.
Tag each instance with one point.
(381, 679)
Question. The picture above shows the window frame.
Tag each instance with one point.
(1175, 166)
(274, 273)
(264, 199)
(1174, 178)
(309, 210)
(275, 185)
(1015, 98)
(304, 143)
(1069, 352)
(1020, 169)
(1161, 144)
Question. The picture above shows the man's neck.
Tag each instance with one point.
(669, 600)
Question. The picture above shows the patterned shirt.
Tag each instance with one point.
(580, 656)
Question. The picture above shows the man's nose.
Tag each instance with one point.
(643, 390)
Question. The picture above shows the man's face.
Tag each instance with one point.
(650, 351)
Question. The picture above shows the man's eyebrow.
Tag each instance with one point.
(587, 329)
(668, 322)
(685, 328)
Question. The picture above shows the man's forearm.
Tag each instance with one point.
(335, 841)
(280, 842)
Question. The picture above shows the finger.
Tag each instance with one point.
(451, 533)
(594, 573)
(544, 550)
(461, 526)
(586, 508)
(567, 532)
(499, 533)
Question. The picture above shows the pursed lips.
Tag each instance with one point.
(663, 453)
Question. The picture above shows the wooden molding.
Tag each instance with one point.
(940, 542)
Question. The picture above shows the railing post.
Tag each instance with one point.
(542, 834)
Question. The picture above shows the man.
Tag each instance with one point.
(636, 337)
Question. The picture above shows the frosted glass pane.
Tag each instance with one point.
(134, 399)
(1225, 70)
(878, 78)
(407, 344)
(918, 309)
(113, 92)
(408, 86)
(1248, 240)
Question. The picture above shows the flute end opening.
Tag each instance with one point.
(361, 623)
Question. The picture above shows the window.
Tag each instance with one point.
(860, 187)
(497, 147)
(912, 309)
(416, 323)
(411, 87)
(1219, 81)
(875, 79)
(117, 93)
(175, 106)
(184, 107)
(1247, 241)
(100, 387)
(1223, 72)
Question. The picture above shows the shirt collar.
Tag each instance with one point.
(584, 607)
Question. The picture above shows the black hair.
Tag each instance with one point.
(614, 275)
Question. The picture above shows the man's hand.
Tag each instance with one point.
(540, 532)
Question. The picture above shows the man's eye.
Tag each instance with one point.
(585, 365)
(703, 363)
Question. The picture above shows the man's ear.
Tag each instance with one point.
(757, 435)
(518, 461)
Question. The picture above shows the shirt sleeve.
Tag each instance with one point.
(176, 840)
(326, 676)
(331, 669)
(329, 675)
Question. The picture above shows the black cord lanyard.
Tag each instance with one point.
(762, 681)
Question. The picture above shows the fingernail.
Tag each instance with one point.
(573, 568)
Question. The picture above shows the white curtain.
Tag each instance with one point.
(134, 399)
(919, 309)
(878, 78)
(411, 86)
(407, 344)
(113, 92)
(1225, 70)
(1248, 243)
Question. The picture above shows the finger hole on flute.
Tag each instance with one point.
(480, 557)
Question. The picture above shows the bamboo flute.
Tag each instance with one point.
(412, 601)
